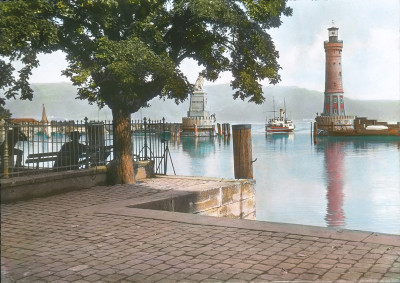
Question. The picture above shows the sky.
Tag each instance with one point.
(370, 58)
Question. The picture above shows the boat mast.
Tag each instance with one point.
(273, 103)
(284, 107)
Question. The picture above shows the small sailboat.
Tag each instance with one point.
(279, 124)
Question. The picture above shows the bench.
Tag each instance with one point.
(94, 157)
(41, 157)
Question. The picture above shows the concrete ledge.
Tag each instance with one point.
(304, 230)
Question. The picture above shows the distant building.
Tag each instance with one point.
(24, 121)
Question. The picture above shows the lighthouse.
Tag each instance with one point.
(333, 120)
(333, 100)
(333, 117)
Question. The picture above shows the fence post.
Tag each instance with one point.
(145, 138)
(88, 152)
(150, 127)
(242, 151)
(5, 153)
(165, 147)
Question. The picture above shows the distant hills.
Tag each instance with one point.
(60, 102)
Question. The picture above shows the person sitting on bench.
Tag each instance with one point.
(14, 135)
(69, 154)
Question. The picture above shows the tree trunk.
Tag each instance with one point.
(123, 147)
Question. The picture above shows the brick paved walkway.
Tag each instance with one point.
(94, 236)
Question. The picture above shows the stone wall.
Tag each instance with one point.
(235, 200)
(40, 185)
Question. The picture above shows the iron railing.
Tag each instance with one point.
(32, 148)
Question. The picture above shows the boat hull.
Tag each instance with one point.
(278, 129)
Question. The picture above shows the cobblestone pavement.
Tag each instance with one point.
(93, 236)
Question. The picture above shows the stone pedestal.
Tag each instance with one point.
(198, 122)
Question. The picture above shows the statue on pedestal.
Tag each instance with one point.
(198, 86)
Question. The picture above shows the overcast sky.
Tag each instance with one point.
(371, 48)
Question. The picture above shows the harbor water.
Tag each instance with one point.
(348, 182)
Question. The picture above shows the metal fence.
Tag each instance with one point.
(33, 148)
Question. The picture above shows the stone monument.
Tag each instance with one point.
(199, 122)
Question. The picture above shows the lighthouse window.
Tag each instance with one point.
(334, 111)
(335, 100)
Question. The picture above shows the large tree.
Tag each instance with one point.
(124, 53)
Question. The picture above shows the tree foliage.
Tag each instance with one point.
(124, 53)
(4, 113)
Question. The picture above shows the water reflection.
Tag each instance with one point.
(334, 156)
(198, 146)
(279, 139)
(339, 151)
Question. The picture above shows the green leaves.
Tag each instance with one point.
(124, 53)
(25, 30)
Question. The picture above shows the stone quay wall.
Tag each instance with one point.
(201, 122)
(340, 122)
(233, 198)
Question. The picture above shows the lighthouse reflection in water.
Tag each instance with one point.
(351, 183)
(334, 178)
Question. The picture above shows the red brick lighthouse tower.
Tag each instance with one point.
(333, 102)
(333, 116)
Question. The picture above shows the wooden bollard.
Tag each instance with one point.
(223, 129)
(219, 129)
(242, 151)
(195, 130)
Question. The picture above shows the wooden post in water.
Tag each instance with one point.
(315, 132)
(223, 129)
(219, 129)
(213, 130)
(242, 152)
(228, 127)
(195, 130)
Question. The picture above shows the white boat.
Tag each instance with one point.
(279, 124)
